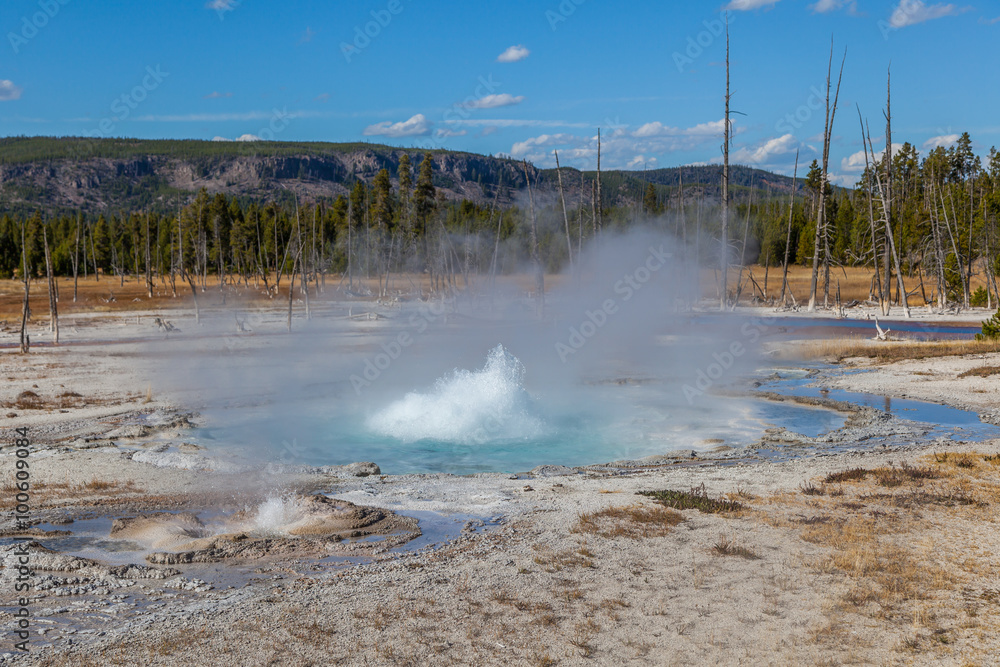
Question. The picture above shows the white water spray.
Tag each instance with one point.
(466, 407)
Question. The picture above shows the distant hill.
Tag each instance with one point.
(98, 175)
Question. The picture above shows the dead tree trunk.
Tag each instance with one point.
(26, 307)
(724, 234)
(903, 297)
(76, 259)
(535, 259)
(562, 198)
(149, 263)
(788, 234)
(600, 200)
(53, 306)
(821, 214)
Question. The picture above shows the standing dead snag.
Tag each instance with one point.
(536, 262)
(599, 202)
(562, 198)
(26, 307)
(53, 307)
(788, 235)
(821, 214)
(724, 234)
(887, 199)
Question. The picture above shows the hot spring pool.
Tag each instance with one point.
(491, 419)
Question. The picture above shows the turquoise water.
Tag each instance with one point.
(491, 419)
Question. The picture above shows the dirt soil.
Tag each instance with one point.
(876, 556)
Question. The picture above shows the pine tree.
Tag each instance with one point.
(649, 200)
(991, 328)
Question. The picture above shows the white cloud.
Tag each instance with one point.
(222, 5)
(619, 147)
(242, 137)
(826, 6)
(641, 161)
(855, 163)
(766, 152)
(523, 148)
(843, 180)
(417, 126)
(494, 101)
(945, 140)
(214, 95)
(8, 91)
(658, 129)
(744, 5)
(912, 12)
(513, 54)
(445, 133)
(307, 36)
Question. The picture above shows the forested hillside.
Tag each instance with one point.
(185, 210)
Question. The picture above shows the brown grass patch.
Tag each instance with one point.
(634, 521)
(51, 492)
(883, 352)
(727, 547)
(981, 372)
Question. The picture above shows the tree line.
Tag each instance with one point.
(943, 210)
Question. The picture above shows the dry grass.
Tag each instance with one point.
(885, 476)
(981, 372)
(634, 522)
(30, 400)
(882, 352)
(697, 498)
(59, 491)
(728, 547)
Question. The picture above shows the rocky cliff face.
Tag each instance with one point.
(73, 174)
(98, 183)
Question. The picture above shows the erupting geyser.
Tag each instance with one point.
(466, 407)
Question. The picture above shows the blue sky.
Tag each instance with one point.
(518, 78)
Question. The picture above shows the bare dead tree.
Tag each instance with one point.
(53, 305)
(562, 198)
(724, 234)
(788, 234)
(149, 262)
(535, 260)
(26, 307)
(76, 258)
(599, 198)
(891, 244)
(743, 247)
(821, 215)
(887, 197)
